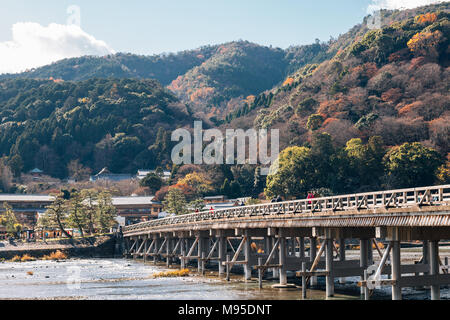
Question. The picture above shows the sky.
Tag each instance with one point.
(36, 33)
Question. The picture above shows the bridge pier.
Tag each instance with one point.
(329, 268)
(396, 272)
(222, 252)
(145, 249)
(364, 257)
(312, 256)
(275, 272)
(342, 256)
(425, 254)
(302, 247)
(434, 268)
(168, 247)
(183, 252)
(247, 257)
(282, 261)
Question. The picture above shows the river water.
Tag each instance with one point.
(119, 279)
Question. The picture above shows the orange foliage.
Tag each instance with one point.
(392, 95)
(289, 81)
(426, 18)
(371, 69)
(56, 80)
(250, 99)
(412, 107)
(188, 191)
(202, 94)
(416, 62)
(328, 121)
(176, 84)
(424, 43)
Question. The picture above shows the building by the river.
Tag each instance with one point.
(28, 208)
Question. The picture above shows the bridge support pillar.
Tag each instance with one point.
(155, 250)
(329, 268)
(168, 246)
(201, 250)
(183, 252)
(274, 270)
(434, 268)
(425, 253)
(247, 255)
(144, 254)
(364, 256)
(222, 254)
(342, 256)
(302, 247)
(293, 246)
(396, 272)
(282, 260)
(312, 256)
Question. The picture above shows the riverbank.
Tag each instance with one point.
(90, 247)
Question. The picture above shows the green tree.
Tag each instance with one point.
(366, 161)
(226, 187)
(77, 215)
(16, 165)
(152, 181)
(294, 175)
(258, 183)
(105, 213)
(197, 204)
(10, 222)
(175, 202)
(57, 215)
(90, 198)
(315, 121)
(412, 165)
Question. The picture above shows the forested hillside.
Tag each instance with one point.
(120, 124)
(163, 68)
(353, 104)
(393, 82)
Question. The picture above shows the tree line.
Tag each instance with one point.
(89, 211)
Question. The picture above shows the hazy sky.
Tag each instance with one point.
(34, 33)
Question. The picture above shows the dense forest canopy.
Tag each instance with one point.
(120, 124)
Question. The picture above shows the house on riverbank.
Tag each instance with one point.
(28, 208)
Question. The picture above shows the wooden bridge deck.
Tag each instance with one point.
(418, 207)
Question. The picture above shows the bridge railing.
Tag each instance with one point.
(436, 195)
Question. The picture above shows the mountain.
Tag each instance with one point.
(163, 68)
(121, 124)
(213, 79)
(392, 82)
(105, 111)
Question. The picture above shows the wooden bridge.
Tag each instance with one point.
(293, 236)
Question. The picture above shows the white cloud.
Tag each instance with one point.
(34, 45)
(398, 4)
